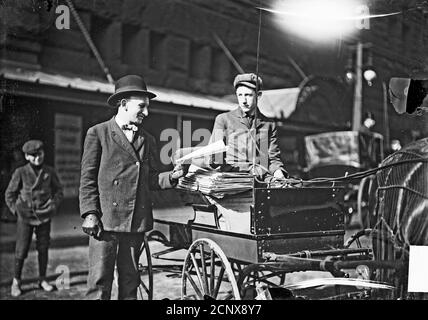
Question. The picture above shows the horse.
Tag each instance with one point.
(398, 204)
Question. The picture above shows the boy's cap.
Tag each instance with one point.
(249, 80)
(32, 146)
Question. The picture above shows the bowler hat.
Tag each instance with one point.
(248, 80)
(32, 146)
(127, 86)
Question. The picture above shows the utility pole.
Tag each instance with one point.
(358, 89)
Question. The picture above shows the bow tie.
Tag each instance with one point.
(130, 127)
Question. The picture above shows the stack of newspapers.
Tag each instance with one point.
(215, 183)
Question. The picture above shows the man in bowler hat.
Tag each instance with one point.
(119, 168)
(241, 127)
(33, 194)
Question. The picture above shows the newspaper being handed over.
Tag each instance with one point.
(202, 152)
(209, 181)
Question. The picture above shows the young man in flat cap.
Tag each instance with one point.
(119, 168)
(34, 193)
(238, 129)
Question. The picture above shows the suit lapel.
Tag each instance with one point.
(139, 143)
(119, 137)
(237, 113)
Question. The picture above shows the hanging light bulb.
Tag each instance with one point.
(349, 76)
(349, 71)
(369, 74)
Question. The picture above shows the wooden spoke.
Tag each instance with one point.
(142, 285)
(204, 256)
(198, 272)
(194, 285)
(219, 281)
(212, 275)
(204, 268)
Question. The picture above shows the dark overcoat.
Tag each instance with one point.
(34, 198)
(234, 129)
(117, 176)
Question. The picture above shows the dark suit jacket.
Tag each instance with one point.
(234, 129)
(34, 198)
(116, 178)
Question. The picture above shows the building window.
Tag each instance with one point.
(130, 52)
(198, 61)
(220, 66)
(157, 50)
(406, 35)
(98, 32)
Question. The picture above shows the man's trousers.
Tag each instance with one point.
(114, 248)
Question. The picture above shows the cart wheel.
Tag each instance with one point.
(258, 273)
(204, 269)
(145, 289)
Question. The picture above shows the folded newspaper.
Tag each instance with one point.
(215, 183)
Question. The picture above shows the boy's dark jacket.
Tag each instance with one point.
(34, 198)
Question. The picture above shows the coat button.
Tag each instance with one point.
(115, 204)
(116, 182)
(137, 164)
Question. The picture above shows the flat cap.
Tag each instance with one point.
(32, 146)
(249, 80)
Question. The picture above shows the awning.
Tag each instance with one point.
(279, 103)
(164, 95)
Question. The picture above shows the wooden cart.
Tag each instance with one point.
(276, 231)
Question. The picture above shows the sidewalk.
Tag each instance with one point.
(66, 231)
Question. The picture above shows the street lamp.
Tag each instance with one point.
(317, 20)
(369, 74)
(327, 19)
(356, 73)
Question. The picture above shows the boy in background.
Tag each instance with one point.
(33, 195)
